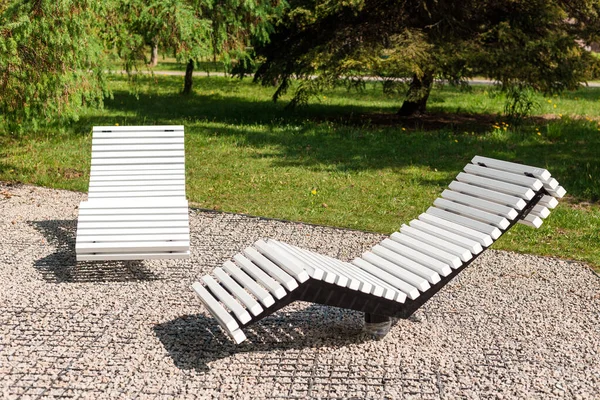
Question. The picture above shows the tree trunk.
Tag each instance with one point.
(154, 54)
(187, 84)
(417, 95)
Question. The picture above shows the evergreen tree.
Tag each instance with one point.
(51, 60)
(523, 44)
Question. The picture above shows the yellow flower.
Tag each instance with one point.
(560, 115)
(313, 192)
(555, 106)
(456, 141)
(539, 133)
(403, 129)
(549, 101)
(116, 124)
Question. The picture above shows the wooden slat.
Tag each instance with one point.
(290, 265)
(442, 244)
(410, 290)
(548, 201)
(531, 220)
(148, 176)
(219, 313)
(118, 184)
(260, 276)
(81, 232)
(485, 205)
(472, 245)
(150, 202)
(235, 289)
(521, 180)
(315, 271)
(249, 284)
(138, 169)
(147, 193)
(439, 254)
(391, 291)
(410, 265)
(559, 192)
(143, 187)
(124, 218)
(127, 163)
(224, 297)
(490, 195)
(133, 211)
(483, 238)
(124, 247)
(142, 224)
(440, 267)
(138, 147)
(491, 230)
(135, 141)
(540, 211)
(132, 238)
(473, 213)
(132, 256)
(124, 156)
(138, 128)
(271, 268)
(527, 170)
(492, 184)
(140, 134)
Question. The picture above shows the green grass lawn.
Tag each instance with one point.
(246, 154)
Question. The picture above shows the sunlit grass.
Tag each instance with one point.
(246, 154)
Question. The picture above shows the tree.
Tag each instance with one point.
(51, 60)
(520, 43)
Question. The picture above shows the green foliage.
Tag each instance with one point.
(520, 43)
(51, 61)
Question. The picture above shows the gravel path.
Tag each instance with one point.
(510, 326)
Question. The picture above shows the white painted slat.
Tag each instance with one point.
(144, 187)
(138, 169)
(369, 283)
(123, 155)
(405, 276)
(287, 263)
(540, 211)
(148, 193)
(145, 255)
(309, 259)
(548, 201)
(559, 192)
(440, 267)
(249, 284)
(159, 246)
(133, 135)
(123, 218)
(133, 211)
(531, 220)
(491, 230)
(137, 128)
(132, 238)
(517, 179)
(492, 184)
(539, 173)
(470, 244)
(260, 276)
(271, 268)
(236, 290)
(222, 295)
(82, 232)
(410, 265)
(132, 224)
(148, 176)
(121, 140)
(313, 269)
(216, 309)
(551, 184)
(485, 205)
(490, 195)
(442, 244)
(150, 202)
(439, 254)
(138, 147)
(483, 238)
(391, 292)
(384, 267)
(127, 163)
(119, 184)
(473, 213)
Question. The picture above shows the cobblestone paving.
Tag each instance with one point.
(510, 326)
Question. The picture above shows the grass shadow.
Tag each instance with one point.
(62, 266)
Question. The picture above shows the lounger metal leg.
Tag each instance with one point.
(377, 325)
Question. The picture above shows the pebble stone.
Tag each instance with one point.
(509, 326)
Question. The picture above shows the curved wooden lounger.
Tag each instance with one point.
(136, 206)
(398, 275)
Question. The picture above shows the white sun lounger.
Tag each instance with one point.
(398, 275)
(136, 207)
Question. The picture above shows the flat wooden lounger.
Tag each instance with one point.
(398, 275)
(136, 206)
